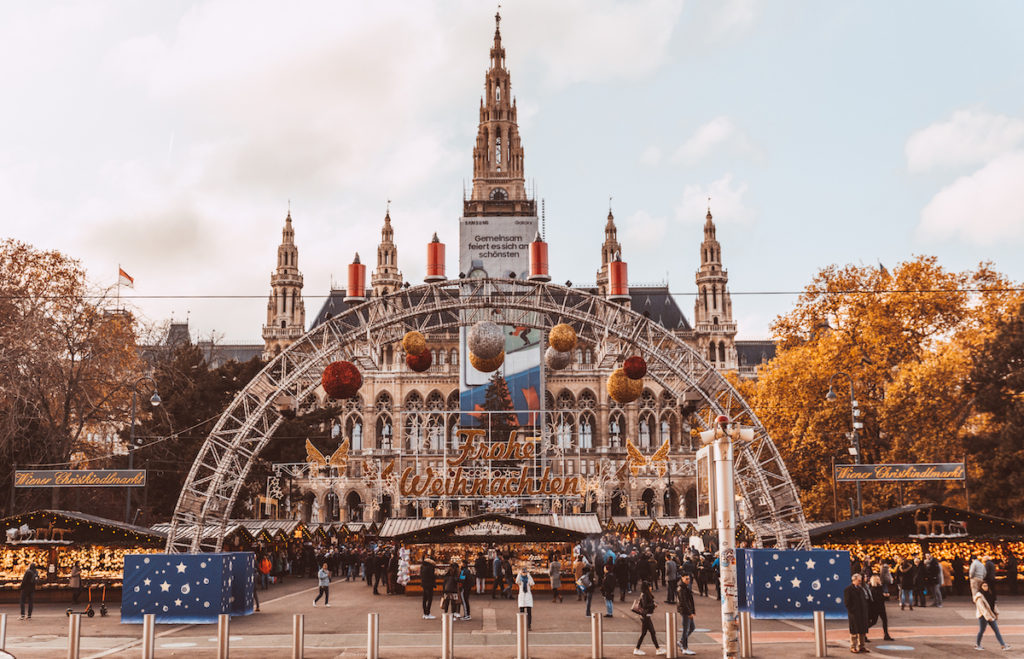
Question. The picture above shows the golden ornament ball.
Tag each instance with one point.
(414, 343)
(562, 337)
(622, 388)
(487, 365)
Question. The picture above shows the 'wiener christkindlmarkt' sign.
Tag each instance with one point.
(81, 478)
(940, 471)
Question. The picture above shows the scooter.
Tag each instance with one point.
(88, 610)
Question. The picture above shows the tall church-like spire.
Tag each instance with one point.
(286, 312)
(610, 250)
(499, 184)
(712, 312)
(386, 278)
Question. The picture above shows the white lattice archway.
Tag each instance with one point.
(771, 506)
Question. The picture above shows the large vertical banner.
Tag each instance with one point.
(499, 246)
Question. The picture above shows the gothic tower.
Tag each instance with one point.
(499, 187)
(286, 312)
(712, 313)
(386, 278)
(610, 249)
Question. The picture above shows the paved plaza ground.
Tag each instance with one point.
(559, 630)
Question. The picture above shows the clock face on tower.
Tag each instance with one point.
(499, 194)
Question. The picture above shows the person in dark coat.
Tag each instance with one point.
(990, 573)
(877, 605)
(1011, 565)
(608, 589)
(920, 581)
(905, 573)
(687, 609)
(647, 606)
(856, 602)
(451, 601)
(28, 589)
(428, 581)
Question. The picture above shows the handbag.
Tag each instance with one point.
(636, 608)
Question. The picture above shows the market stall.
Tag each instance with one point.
(56, 539)
(525, 538)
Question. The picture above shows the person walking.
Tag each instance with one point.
(428, 581)
(555, 574)
(935, 580)
(466, 580)
(28, 590)
(976, 574)
(451, 602)
(324, 581)
(672, 578)
(585, 585)
(686, 608)
(608, 589)
(622, 576)
(577, 574)
(985, 608)
(480, 568)
(905, 574)
(644, 607)
(510, 577)
(498, 573)
(524, 580)
(266, 565)
(856, 603)
(75, 582)
(876, 608)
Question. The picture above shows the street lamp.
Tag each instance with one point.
(855, 425)
(721, 438)
(155, 401)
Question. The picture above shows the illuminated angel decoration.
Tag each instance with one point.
(638, 460)
(338, 459)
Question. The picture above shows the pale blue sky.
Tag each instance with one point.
(169, 137)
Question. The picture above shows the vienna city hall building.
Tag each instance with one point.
(412, 418)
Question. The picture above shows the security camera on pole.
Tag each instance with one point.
(720, 439)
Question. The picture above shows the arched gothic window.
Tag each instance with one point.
(704, 294)
(721, 351)
(711, 351)
(354, 432)
(587, 431)
(616, 423)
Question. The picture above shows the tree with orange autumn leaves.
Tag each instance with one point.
(909, 339)
(67, 360)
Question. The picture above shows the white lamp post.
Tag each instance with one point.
(721, 438)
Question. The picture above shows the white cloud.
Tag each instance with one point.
(643, 231)
(968, 138)
(728, 202)
(651, 156)
(983, 208)
(719, 134)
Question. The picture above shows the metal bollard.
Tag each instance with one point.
(223, 635)
(672, 631)
(522, 637)
(746, 636)
(372, 635)
(596, 636)
(148, 637)
(298, 635)
(3, 631)
(447, 646)
(820, 639)
(74, 634)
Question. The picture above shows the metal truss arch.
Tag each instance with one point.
(770, 507)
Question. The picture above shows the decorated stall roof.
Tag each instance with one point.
(235, 528)
(928, 521)
(492, 527)
(64, 527)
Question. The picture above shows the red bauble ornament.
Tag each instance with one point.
(635, 367)
(341, 380)
(420, 362)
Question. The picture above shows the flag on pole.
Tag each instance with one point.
(124, 279)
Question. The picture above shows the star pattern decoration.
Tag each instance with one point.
(778, 577)
(146, 582)
(181, 568)
(795, 582)
(809, 563)
(165, 587)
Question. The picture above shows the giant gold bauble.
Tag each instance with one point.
(486, 340)
(622, 388)
(414, 343)
(487, 365)
(556, 360)
(562, 337)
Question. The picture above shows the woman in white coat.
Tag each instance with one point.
(524, 580)
(985, 608)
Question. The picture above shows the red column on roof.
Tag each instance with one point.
(539, 260)
(618, 282)
(356, 291)
(435, 260)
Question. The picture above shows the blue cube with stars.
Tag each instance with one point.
(792, 583)
(187, 588)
